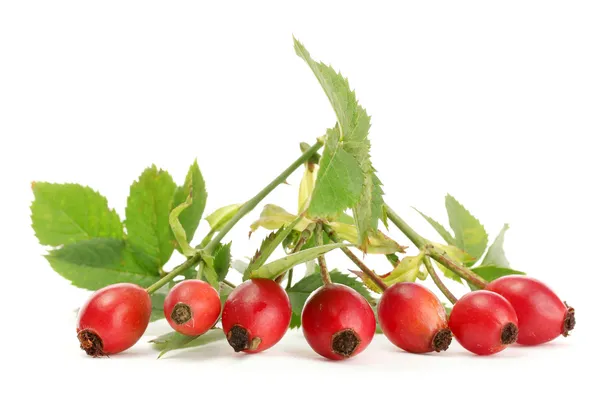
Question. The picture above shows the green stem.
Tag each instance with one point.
(430, 250)
(253, 202)
(191, 262)
(438, 282)
(289, 281)
(200, 270)
(405, 228)
(321, 259)
(362, 266)
(229, 283)
(244, 209)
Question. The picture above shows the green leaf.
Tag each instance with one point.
(300, 291)
(194, 186)
(269, 245)
(176, 341)
(280, 266)
(67, 213)
(224, 291)
(444, 233)
(339, 180)
(469, 234)
(178, 232)
(148, 207)
(222, 260)
(96, 263)
(221, 216)
(158, 301)
(346, 178)
(490, 273)
(495, 254)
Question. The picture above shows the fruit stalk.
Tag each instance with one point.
(322, 264)
(363, 267)
(244, 209)
(438, 282)
(435, 254)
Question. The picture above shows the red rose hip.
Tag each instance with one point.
(413, 318)
(484, 322)
(192, 307)
(338, 322)
(542, 315)
(113, 319)
(256, 315)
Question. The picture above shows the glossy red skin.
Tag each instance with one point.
(118, 314)
(410, 315)
(477, 320)
(262, 307)
(203, 301)
(331, 309)
(541, 313)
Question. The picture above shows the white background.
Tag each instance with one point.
(496, 103)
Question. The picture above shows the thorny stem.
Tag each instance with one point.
(463, 272)
(363, 267)
(322, 264)
(432, 252)
(244, 209)
(438, 282)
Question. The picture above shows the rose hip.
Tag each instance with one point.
(542, 315)
(113, 319)
(192, 307)
(484, 322)
(338, 322)
(256, 315)
(413, 318)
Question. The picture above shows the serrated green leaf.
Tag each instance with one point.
(148, 206)
(346, 178)
(444, 233)
(469, 234)
(221, 216)
(490, 273)
(96, 263)
(222, 260)
(67, 213)
(300, 291)
(339, 180)
(194, 186)
(268, 246)
(176, 341)
(280, 266)
(495, 254)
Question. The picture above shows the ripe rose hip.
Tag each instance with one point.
(256, 315)
(542, 315)
(192, 307)
(413, 318)
(113, 319)
(484, 322)
(338, 322)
